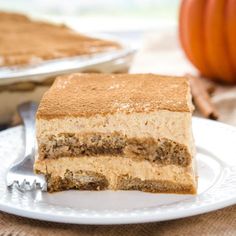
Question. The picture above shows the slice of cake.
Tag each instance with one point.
(25, 41)
(126, 131)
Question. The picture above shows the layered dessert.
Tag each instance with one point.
(118, 132)
(25, 41)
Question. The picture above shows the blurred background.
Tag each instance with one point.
(121, 17)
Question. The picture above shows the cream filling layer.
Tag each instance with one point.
(113, 167)
(175, 126)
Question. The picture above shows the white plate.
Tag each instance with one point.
(216, 158)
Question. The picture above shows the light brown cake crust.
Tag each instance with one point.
(154, 186)
(24, 41)
(163, 150)
(91, 181)
(86, 95)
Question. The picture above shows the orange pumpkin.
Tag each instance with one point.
(207, 30)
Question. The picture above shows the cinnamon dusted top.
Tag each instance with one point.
(86, 95)
(23, 41)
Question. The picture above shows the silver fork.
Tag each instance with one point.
(21, 174)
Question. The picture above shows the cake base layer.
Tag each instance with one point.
(116, 173)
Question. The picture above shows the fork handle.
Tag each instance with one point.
(27, 113)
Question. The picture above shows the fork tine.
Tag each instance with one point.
(16, 184)
(22, 184)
